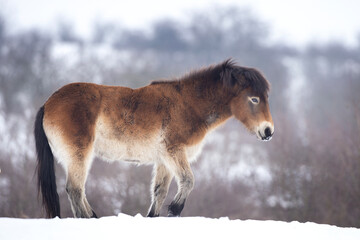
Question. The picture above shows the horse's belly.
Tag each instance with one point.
(142, 147)
(138, 151)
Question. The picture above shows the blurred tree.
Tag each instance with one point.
(2, 30)
(102, 32)
(315, 179)
(166, 37)
(26, 68)
(66, 33)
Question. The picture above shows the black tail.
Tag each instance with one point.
(45, 169)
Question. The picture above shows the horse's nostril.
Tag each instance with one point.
(267, 132)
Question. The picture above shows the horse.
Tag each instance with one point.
(163, 123)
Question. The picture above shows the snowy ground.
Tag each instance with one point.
(138, 227)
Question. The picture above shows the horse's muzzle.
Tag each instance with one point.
(265, 131)
(268, 134)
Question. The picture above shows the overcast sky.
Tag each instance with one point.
(295, 22)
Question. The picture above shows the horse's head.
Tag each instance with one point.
(250, 102)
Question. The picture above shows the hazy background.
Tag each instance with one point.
(308, 50)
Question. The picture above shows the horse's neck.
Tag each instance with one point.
(210, 101)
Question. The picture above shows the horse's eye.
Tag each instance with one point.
(255, 100)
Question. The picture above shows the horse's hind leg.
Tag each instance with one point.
(75, 185)
(159, 189)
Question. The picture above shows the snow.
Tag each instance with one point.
(138, 227)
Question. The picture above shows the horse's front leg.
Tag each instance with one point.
(185, 181)
(159, 189)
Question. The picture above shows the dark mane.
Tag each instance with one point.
(230, 74)
(254, 79)
(213, 73)
(210, 73)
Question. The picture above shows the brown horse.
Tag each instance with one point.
(163, 123)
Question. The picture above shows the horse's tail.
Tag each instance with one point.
(45, 169)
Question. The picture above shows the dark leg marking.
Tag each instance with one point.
(175, 208)
(94, 214)
(152, 212)
(156, 189)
